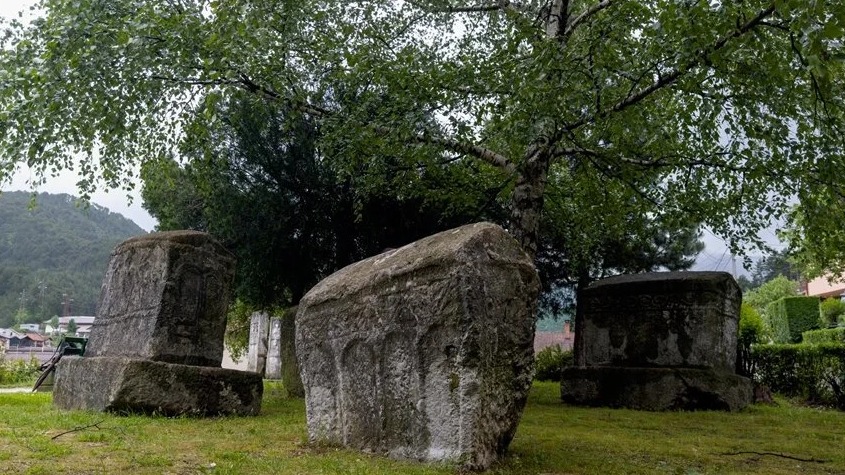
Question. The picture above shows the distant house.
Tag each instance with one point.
(821, 287)
(29, 327)
(83, 324)
(35, 340)
(10, 338)
(564, 339)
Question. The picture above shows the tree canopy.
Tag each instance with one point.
(694, 112)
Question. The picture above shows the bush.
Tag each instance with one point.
(789, 317)
(831, 310)
(549, 363)
(751, 331)
(815, 373)
(825, 335)
(18, 371)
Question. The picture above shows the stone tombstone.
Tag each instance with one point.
(157, 342)
(658, 341)
(423, 352)
(274, 354)
(164, 298)
(287, 347)
(259, 329)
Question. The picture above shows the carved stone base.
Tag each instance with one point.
(127, 385)
(656, 389)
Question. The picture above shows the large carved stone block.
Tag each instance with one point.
(424, 352)
(157, 343)
(661, 319)
(664, 340)
(164, 298)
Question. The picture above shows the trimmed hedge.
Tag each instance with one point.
(813, 372)
(825, 335)
(789, 317)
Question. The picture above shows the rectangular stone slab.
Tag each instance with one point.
(660, 319)
(424, 352)
(164, 298)
(126, 385)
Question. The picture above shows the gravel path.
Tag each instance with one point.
(15, 390)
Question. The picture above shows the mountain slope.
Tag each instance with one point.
(52, 249)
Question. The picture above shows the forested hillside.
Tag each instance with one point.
(52, 247)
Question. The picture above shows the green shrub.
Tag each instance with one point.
(815, 373)
(789, 317)
(751, 331)
(825, 335)
(18, 371)
(831, 311)
(549, 363)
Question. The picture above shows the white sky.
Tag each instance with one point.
(714, 257)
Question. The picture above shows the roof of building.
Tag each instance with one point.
(79, 319)
(36, 336)
(8, 333)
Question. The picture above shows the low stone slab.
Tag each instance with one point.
(424, 352)
(126, 385)
(164, 298)
(656, 389)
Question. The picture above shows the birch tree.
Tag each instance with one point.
(718, 112)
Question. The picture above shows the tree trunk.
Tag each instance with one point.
(526, 205)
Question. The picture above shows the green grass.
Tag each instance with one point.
(552, 439)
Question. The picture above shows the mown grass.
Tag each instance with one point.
(552, 439)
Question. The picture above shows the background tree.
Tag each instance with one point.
(710, 112)
(259, 183)
(775, 289)
(71, 327)
(772, 265)
(832, 310)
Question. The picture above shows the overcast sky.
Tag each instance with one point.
(715, 256)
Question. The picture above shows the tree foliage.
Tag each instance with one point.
(773, 290)
(831, 310)
(772, 265)
(707, 112)
(51, 247)
(259, 184)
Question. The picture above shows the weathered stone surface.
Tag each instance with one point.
(687, 319)
(656, 389)
(157, 343)
(274, 350)
(658, 341)
(290, 363)
(127, 385)
(164, 298)
(424, 352)
(259, 328)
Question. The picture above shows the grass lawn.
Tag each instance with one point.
(552, 439)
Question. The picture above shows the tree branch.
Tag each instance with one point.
(776, 454)
(673, 76)
(585, 15)
(477, 151)
(481, 8)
